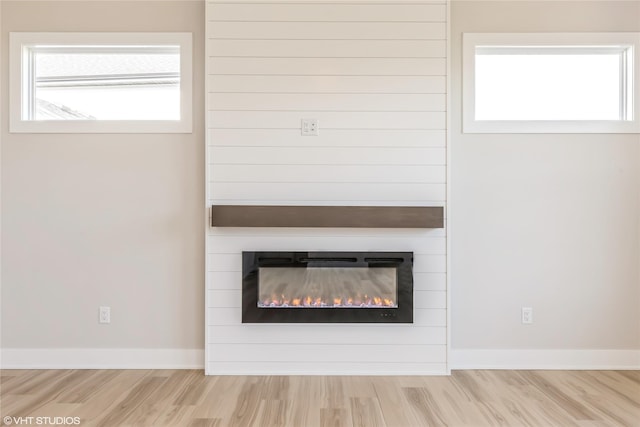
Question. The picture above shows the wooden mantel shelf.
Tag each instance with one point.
(328, 216)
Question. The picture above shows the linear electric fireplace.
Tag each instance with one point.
(327, 287)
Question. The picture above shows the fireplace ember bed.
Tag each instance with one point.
(327, 287)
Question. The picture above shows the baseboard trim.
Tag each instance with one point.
(101, 358)
(125, 358)
(545, 359)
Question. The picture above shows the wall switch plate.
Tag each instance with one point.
(105, 315)
(310, 127)
(527, 315)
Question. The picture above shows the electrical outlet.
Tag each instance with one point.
(527, 315)
(310, 127)
(105, 315)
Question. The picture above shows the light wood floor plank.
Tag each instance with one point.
(110, 395)
(87, 389)
(335, 417)
(128, 410)
(334, 393)
(248, 402)
(366, 412)
(188, 398)
(306, 395)
(395, 408)
(220, 400)
(274, 412)
(206, 422)
(174, 415)
(48, 389)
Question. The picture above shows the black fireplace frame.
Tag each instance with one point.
(401, 261)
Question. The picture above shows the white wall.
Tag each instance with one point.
(374, 75)
(90, 220)
(547, 221)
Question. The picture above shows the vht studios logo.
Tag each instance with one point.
(41, 421)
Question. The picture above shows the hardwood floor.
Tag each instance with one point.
(189, 398)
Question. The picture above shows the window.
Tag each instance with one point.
(548, 83)
(100, 82)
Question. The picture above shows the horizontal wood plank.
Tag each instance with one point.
(326, 368)
(342, 138)
(236, 173)
(330, 353)
(326, 102)
(328, 48)
(306, 334)
(353, 236)
(327, 120)
(327, 216)
(328, 66)
(304, 155)
(326, 84)
(336, 12)
(353, 192)
(327, 30)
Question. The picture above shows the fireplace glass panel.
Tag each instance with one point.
(327, 287)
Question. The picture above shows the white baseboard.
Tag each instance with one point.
(125, 358)
(101, 358)
(544, 359)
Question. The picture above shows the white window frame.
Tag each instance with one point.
(629, 124)
(19, 47)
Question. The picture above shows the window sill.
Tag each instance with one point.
(543, 126)
(114, 126)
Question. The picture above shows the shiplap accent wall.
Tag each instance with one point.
(374, 75)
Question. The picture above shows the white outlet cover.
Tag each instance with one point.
(310, 127)
(104, 314)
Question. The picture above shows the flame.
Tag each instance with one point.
(315, 301)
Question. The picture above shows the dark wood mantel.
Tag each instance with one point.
(328, 216)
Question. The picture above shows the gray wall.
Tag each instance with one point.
(548, 221)
(90, 220)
